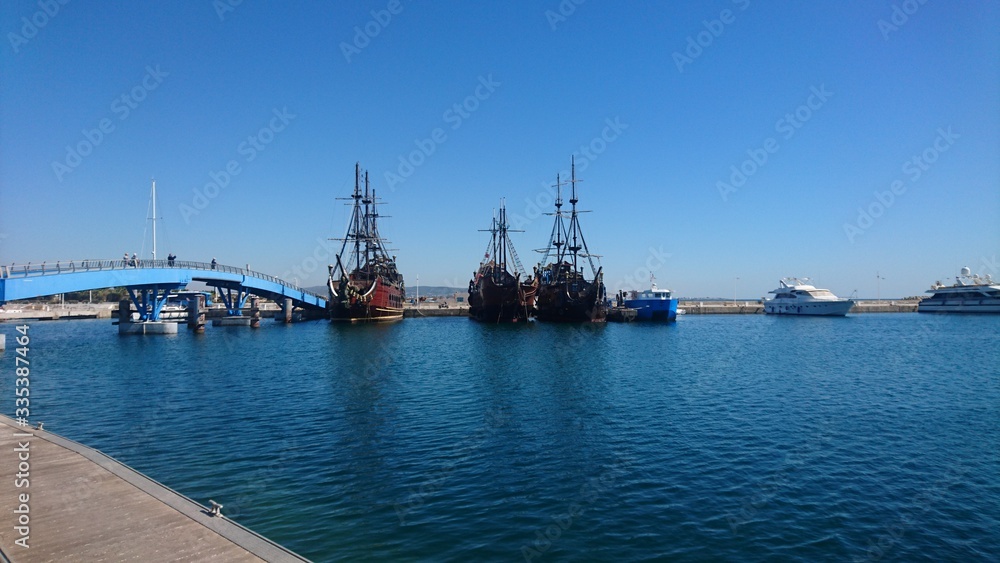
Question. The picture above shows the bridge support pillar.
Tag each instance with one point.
(235, 299)
(149, 302)
(286, 311)
(196, 314)
(254, 312)
(124, 311)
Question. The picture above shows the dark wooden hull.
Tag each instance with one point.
(494, 302)
(559, 302)
(381, 303)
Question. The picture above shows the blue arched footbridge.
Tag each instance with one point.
(149, 282)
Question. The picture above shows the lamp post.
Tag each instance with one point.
(878, 288)
(734, 289)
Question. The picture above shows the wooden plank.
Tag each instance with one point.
(85, 506)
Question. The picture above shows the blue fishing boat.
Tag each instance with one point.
(652, 304)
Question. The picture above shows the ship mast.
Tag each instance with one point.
(500, 247)
(503, 238)
(356, 216)
(559, 222)
(379, 252)
(558, 228)
(154, 220)
(574, 227)
(367, 231)
(150, 217)
(369, 253)
(353, 228)
(506, 243)
(491, 247)
(496, 230)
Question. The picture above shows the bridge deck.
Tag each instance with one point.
(85, 506)
(36, 280)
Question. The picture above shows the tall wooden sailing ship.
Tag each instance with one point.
(496, 294)
(565, 294)
(364, 284)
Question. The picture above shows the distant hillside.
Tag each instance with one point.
(435, 290)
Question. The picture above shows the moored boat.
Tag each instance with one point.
(565, 294)
(364, 284)
(652, 304)
(178, 302)
(796, 297)
(497, 295)
(969, 294)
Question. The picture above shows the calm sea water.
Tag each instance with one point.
(750, 438)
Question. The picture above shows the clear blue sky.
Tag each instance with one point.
(198, 84)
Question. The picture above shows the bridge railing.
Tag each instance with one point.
(90, 265)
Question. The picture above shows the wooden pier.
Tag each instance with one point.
(85, 506)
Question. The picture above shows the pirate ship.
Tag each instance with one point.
(496, 294)
(565, 294)
(364, 284)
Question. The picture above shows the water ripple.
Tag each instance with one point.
(753, 438)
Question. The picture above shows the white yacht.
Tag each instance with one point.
(970, 294)
(796, 297)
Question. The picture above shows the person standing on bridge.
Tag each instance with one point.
(135, 260)
(170, 259)
(125, 259)
(214, 263)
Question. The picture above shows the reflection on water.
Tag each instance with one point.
(740, 438)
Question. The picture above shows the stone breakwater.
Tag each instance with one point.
(18, 312)
(106, 311)
(755, 307)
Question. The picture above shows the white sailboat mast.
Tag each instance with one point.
(154, 220)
